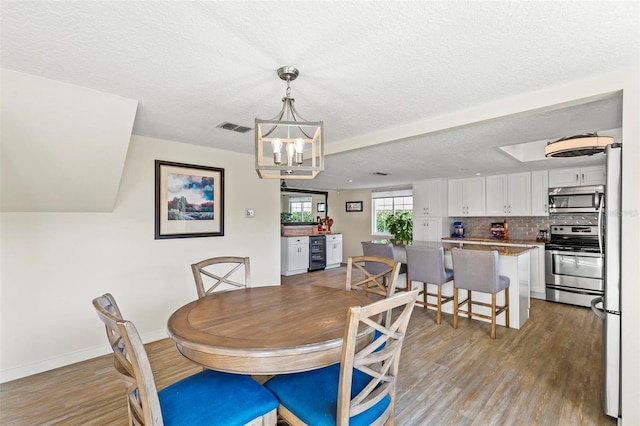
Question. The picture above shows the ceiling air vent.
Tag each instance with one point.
(234, 127)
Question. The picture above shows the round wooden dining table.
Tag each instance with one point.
(266, 330)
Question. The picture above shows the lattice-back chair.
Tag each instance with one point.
(361, 390)
(205, 398)
(381, 282)
(221, 273)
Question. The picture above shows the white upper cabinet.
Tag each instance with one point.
(427, 229)
(467, 197)
(593, 175)
(509, 195)
(429, 197)
(540, 193)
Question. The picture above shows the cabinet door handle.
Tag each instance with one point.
(509, 210)
(583, 176)
(545, 208)
(505, 209)
(577, 177)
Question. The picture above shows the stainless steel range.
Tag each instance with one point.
(574, 262)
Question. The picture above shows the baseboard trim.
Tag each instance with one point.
(69, 358)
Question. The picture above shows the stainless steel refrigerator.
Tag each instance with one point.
(610, 233)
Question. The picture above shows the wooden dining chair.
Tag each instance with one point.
(361, 389)
(205, 398)
(380, 282)
(221, 273)
(478, 271)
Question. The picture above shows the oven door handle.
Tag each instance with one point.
(599, 312)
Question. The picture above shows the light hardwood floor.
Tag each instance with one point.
(547, 373)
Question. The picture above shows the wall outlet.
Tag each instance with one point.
(249, 213)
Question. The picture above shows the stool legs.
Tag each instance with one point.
(493, 315)
(495, 310)
(455, 307)
(439, 317)
(506, 302)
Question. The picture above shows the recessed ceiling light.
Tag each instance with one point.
(478, 174)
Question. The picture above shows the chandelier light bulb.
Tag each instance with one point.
(299, 144)
(277, 146)
(291, 150)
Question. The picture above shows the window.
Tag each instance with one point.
(386, 203)
(300, 208)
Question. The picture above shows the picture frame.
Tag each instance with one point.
(189, 200)
(353, 206)
(320, 208)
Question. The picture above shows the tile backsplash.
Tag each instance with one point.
(521, 227)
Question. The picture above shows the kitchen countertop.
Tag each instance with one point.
(492, 240)
(501, 249)
(449, 244)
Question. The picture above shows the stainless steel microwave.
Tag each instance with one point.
(576, 199)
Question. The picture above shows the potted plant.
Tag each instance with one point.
(400, 225)
(286, 217)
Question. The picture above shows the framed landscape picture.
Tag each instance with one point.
(189, 201)
(354, 206)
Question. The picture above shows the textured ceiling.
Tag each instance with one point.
(366, 67)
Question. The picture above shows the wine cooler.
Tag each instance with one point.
(317, 252)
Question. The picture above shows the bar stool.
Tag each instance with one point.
(477, 270)
(426, 265)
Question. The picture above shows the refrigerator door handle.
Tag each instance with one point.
(599, 312)
(600, 224)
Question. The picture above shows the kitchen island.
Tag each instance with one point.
(514, 264)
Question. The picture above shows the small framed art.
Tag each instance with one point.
(189, 201)
(354, 206)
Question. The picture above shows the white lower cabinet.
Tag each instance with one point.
(537, 272)
(334, 250)
(294, 255)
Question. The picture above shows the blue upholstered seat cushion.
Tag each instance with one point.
(312, 395)
(213, 398)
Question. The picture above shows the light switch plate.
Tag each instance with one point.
(249, 213)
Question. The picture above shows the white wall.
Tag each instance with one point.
(54, 264)
(354, 226)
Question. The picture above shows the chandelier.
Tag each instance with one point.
(288, 146)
